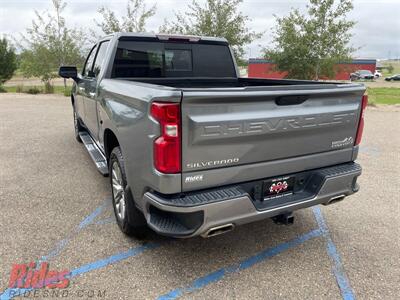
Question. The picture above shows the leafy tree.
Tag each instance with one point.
(35, 62)
(8, 61)
(390, 68)
(308, 46)
(49, 43)
(218, 18)
(135, 20)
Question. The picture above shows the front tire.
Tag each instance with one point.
(129, 218)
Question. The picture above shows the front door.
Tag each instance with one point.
(84, 87)
(90, 97)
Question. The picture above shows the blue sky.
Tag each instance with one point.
(377, 31)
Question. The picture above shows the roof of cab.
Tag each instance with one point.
(165, 36)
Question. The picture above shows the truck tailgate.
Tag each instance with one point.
(224, 128)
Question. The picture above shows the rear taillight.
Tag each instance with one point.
(360, 129)
(167, 147)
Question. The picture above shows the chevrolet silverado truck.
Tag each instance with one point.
(192, 149)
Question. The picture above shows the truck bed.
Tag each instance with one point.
(208, 82)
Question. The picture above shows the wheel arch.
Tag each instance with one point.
(110, 142)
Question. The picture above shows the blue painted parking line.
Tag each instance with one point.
(11, 293)
(84, 223)
(56, 250)
(338, 269)
(90, 218)
(113, 259)
(60, 246)
(245, 264)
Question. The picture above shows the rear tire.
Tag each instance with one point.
(129, 218)
(77, 126)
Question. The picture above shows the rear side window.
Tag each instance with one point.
(213, 61)
(138, 59)
(163, 59)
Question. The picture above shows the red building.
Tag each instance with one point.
(263, 68)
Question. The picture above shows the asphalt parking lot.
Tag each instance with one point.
(55, 207)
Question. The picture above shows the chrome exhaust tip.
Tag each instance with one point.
(214, 231)
(335, 199)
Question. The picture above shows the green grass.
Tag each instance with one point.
(28, 89)
(384, 95)
(396, 68)
(10, 89)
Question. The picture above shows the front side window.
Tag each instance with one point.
(99, 62)
(87, 69)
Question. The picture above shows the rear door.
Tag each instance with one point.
(243, 126)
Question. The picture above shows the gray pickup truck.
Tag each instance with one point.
(193, 149)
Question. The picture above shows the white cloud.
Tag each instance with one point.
(377, 30)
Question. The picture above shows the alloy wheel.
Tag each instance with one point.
(118, 190)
